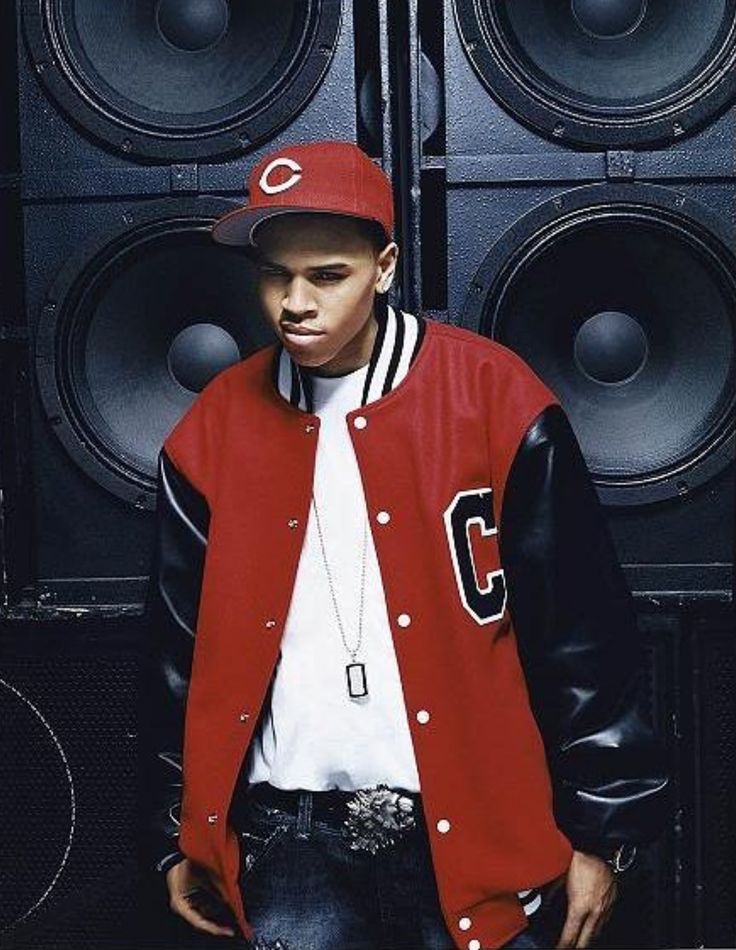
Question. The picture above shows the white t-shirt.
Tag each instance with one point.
(313, 735)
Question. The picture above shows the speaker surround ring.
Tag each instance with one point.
(43, 738)
(89, 347)
(229, 127)
(523, 79)
(501, 304)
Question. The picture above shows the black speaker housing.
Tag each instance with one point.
(83, 102)
(110, 186)
(517, 71)
(497, 187)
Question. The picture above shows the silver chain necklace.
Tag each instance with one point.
(354, 671)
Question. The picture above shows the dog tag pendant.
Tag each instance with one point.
(357, 683)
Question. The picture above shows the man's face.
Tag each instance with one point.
(318, 275)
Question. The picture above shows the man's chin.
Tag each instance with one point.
(307, 361)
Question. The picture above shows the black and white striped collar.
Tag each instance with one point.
(396, 345)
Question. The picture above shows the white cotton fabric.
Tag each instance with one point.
(312, 735)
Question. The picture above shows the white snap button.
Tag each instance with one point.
(360, 422)
(465, 923)
(422, 716)
(403, 620)
(474, 945)
(244, 716)
(383, 517)
(212, 818)
(309, 427)
(443, 826)
(271, 623)
(293, 522)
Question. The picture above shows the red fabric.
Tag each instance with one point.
(451, 425)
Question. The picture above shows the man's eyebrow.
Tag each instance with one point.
(332, 265)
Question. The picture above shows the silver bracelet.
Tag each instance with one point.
(622, 858)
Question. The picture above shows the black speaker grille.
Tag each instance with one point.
(717, 812)
(68, 795)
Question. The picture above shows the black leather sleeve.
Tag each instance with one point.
(575, 622)
(170, 614)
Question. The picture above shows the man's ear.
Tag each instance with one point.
(387, 258)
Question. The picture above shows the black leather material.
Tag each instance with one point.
(172, 602)
(583, 659)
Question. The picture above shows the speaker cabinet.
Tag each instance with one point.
(628, 74)
(176, 81)
(138, 125)
(69, 787)
(579, 206)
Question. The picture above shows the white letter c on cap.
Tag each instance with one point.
(289, 183)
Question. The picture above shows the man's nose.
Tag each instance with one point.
(298, 297)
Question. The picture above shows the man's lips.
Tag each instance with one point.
(294, 330)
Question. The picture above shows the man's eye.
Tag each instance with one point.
(328, 275)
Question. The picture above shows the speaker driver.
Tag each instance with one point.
(181, 79)
(133, 329)
(605, 72)
(37, 785)
(623, 299)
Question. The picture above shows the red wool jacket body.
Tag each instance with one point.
(434, 452)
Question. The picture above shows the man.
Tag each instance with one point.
(410, 714)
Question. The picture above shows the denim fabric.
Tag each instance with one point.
(304, 888)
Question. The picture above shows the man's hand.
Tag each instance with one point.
(591, 893)
(192, 896)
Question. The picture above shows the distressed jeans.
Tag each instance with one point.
(304, 888)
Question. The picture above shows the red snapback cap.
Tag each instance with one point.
(329, 176)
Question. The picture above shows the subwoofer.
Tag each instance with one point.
(602, 73)
(180, 81)
(623, 299)
(125, 331)
(131, 328)
(69, 788)
(578, 204)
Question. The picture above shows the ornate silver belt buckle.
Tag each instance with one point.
(377, 816)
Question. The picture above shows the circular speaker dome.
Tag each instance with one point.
(181, 79)
(623, 300)
(604, 72)
(133, 328)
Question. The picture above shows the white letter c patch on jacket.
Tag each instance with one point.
(487, 602)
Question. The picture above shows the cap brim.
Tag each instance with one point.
(238, 226)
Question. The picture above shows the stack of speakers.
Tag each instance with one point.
(566, 184)
(576, 201)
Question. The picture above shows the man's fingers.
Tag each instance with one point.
(570, 932)
(590, 929)
(185, 907)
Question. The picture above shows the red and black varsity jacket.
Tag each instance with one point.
(518, 630)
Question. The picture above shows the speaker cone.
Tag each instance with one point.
(133, 329)
(182, 78)
(605, 72)
(623, 299)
